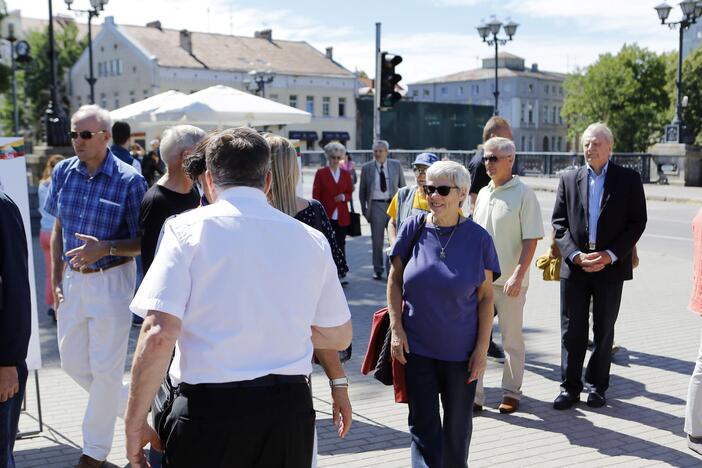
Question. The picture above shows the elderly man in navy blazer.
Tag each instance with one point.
(380, 180)
(599, 215)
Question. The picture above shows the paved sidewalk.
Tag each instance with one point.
(641, 425)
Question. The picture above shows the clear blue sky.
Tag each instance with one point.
(435, 37)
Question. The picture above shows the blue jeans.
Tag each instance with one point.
(436, 443)
(9, 417)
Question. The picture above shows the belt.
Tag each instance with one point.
(269, 380)
(381, 200)
(95, 270)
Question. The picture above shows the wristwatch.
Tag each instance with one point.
(340, 382)
(113, 248)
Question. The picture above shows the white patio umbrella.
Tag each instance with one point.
(224, 106)
(140, 111)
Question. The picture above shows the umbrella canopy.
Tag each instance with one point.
(140, 112)
(224, 106)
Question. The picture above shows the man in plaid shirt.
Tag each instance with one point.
(95, 198)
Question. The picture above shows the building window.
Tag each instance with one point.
(553, 90)
(116, 103)
(560, 117)
(146, 93)
(531, 143)
(309, 104)
(426, 92)
(522, 118)
(545, 114)
(103, 103)
(460, 90)
(531, 115)
(553, 143)
(415, 92)
(546, 89)
(342, 106)
(531, 88)
(444, 91)
(132, 100)
(553, 115)
(560, 143)
(560, 90)
(119, 67)
(292, 101)
(523, 146)
(99, 68)
(326, 101)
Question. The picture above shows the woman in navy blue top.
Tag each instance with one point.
(440, 304)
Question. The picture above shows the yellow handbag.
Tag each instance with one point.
(551, 267)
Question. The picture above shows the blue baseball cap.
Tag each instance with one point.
(425, 159)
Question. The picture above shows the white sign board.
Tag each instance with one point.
(13, 181)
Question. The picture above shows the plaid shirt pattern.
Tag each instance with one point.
(105, 205)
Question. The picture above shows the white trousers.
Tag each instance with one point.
(693, 410)
(93, 333)
(510, 318)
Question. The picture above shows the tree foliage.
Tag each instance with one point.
(692, 88)
(34, 77)
(627, 91)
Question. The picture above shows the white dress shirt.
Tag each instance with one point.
(377, 193)
(248, 282)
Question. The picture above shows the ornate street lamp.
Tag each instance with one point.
(56, 122)
(493, 28)
(258, 80)
(676, 131)
(97, 7)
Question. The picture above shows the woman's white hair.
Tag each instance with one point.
(451, 170)
(334, 149)
(177, 139)
(100, 114)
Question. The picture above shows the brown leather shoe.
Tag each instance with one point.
(508, 405)
(89, 462)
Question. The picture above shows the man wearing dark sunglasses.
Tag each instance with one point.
(95, 198)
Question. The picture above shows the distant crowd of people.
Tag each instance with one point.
(241, 287)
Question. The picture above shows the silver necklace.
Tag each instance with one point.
(442, 252)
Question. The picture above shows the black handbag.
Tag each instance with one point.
(355, 226)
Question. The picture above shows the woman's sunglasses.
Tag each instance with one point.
(85, 134)
(442, 190)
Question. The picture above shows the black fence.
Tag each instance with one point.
(538, 164)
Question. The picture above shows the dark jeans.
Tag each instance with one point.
(254, 427)
(575, 312)
(340, 235)
(9, 417)
(437, 444)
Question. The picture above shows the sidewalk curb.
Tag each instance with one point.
(661, 198)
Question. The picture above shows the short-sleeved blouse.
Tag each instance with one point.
(440, 314)
(315, 216)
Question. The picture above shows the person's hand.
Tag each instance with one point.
(595, 261)
(399, 344)
(342, 414)
(58, 296)
(137, 438)
(339, 198)
(635, 259)
(88, 253)
(9, 383)
(477, 364)
(513, 285)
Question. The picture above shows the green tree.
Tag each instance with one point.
(5, 72)
(626, 90)
(34, 78)
(692, 88)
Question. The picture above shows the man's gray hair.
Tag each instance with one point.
(100, 114)
(334, 149)
(451, 170)
(500, 145)
(177, 139)
(381, 144)
(599, 128)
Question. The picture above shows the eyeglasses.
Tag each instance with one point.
(442, 190)
(493, 159)
(85, 134)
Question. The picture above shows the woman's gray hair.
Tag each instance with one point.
(177, 139)
(500, 145)
(100, 114)
(599, 128)
(451, 170)
(334, 149)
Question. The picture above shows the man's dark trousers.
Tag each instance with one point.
(271, 426)
(576, 294)
(9, 417)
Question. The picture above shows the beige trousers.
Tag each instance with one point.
(510, 314)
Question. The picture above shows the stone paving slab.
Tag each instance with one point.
(641, 425)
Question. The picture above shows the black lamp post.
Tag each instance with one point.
(258, 81)
(493, 27)
(97, 7)
(676, 131)
(55, 120)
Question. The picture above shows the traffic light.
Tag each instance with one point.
(389, 79)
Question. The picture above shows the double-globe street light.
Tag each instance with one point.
(258, 80)
(19, 52)
(676, 131)
(97, 7)
(493, 28)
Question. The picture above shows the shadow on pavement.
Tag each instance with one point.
(362, 437)
(626, 357)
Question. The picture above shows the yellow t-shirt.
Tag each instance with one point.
(420, 202)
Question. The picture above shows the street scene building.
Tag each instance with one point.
(531, 99)
(135, 62)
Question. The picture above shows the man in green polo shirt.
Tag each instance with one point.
(508, 209)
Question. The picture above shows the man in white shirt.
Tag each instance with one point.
(244, 292)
